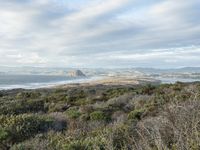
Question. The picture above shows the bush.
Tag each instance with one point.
(1, 94)
(73, 113)
(24, 95)
(147, 89)
(135, 114)
(3, 134)
(85, 117)
(22, 127)
(22, 106)
(39, 142)
(98, 115)
(89, 143)
(120, 137)
(115, 92)
(76, 145)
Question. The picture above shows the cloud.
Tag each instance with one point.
(86, 33)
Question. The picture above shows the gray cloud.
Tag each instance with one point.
(100, 33)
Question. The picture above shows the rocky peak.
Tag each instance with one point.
(76, 73)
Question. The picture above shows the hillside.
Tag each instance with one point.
(76, 73)
(101, 117)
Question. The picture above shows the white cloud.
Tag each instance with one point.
(58, 33)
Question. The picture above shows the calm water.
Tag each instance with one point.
(35, 81)
(173, 80)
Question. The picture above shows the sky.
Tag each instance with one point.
(100, 33)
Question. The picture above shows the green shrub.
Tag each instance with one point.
(3, 134)
(57, 107)
(115, 92)
(74, 96)
(89, 143)
(76, 145)
(73, 113)
(24, 95)
(98, 115)
(22, 106)
(120, 137)
(22, 127)
(135, 114)
(147, 89)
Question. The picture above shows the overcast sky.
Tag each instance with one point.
(100, 33)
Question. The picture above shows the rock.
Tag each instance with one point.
(76, 73)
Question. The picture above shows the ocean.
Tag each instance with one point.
(36, 81)
(175, 79)
(41, 81)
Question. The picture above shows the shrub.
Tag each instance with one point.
(120, 137)
(98, 115)
(60, 122)
(76, 145)
(115, 92)
(147, 89)
(39, 142)
(3, 134)
(24, 95)
(75, 95)
(22, 127)
(89, 143)
(73, 113)
(135, 114)
(119, 102)
(22, 106)
(1, 94)
(85, 117)
(57, 107)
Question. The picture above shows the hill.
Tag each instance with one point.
(76, 73)
(105, 117)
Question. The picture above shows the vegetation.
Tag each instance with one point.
(102, 117)
(98, 115)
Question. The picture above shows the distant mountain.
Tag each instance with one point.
(76, 73)
(93, 71)
(190, 69)
(178, 70)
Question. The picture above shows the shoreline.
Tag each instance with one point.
(47, 84)
(92, 81)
